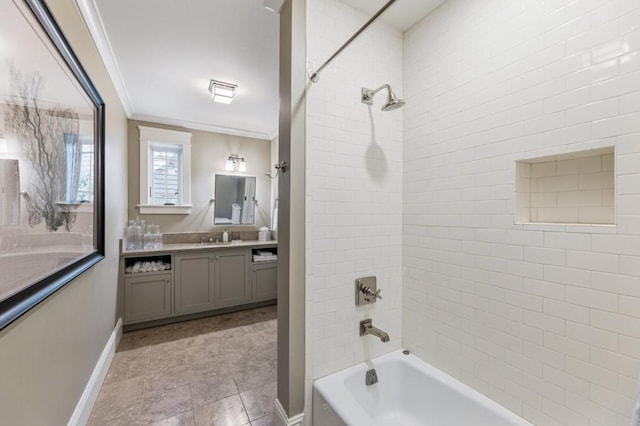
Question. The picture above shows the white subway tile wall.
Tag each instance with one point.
(353, 188)
(545, 319)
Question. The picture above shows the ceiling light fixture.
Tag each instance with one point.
(222, 92)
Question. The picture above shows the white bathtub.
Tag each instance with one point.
(409, 392)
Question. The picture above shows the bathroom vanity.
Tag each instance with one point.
(193, 280)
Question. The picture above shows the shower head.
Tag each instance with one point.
(392, 100)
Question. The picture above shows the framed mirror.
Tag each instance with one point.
(235, 200)
(52, 123)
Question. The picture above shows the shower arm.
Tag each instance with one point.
(314, 76)
(368, 94)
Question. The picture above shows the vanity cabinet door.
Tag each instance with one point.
(264, 281)
(147, 297)
(194, 278)
(232, 283)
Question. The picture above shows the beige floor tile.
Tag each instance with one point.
(171, 354)
(167, 379)
(182, 419)
(128, 419)
(263, 421)
(259, 401)
(212, 387)
(252, 375)
(163, 404)
(186, 373)
(225, 412)
(127, 365)
(118, 400)
(220, 364)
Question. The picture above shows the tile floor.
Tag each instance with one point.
(213, 371)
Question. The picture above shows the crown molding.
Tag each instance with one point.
(193, 125)
(92, 20)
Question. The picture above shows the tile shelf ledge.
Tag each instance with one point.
(585, 228)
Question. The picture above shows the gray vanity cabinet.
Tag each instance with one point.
(232, 283)
(198, 281)
(264, 281)
(194, 282)
(147, 297)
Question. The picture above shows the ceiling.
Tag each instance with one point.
(161, 55)
(165, 52)
(403, 14)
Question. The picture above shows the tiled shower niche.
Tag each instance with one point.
(577, 187)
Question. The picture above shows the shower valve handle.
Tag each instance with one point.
(370, 294)
(367, 292)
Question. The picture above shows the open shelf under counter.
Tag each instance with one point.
(262, 255)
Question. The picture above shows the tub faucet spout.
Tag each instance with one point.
(366, 327)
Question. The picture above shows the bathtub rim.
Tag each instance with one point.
(336, 395)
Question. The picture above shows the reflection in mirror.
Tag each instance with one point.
(235, 200)
(79, 159)
(9, 193)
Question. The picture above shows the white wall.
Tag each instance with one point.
(545, 319)
(354, 176)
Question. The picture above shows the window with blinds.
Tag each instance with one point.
(79, 161)
(165, 174)
(165, 171)
(85, 183)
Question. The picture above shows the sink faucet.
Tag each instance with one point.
(366, 327)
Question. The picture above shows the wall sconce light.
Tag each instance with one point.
(222, 92)
(234, 159)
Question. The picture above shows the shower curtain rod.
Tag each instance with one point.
(315, 75)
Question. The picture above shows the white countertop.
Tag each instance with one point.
(172, 248)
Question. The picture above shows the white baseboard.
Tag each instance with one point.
(81, 414)
(280, 417)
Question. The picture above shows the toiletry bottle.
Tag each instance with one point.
(225, 236)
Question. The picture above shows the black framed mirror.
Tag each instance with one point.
(52, 131)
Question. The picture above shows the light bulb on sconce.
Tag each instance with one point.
(234, 159)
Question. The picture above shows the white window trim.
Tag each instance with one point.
(148, 136)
